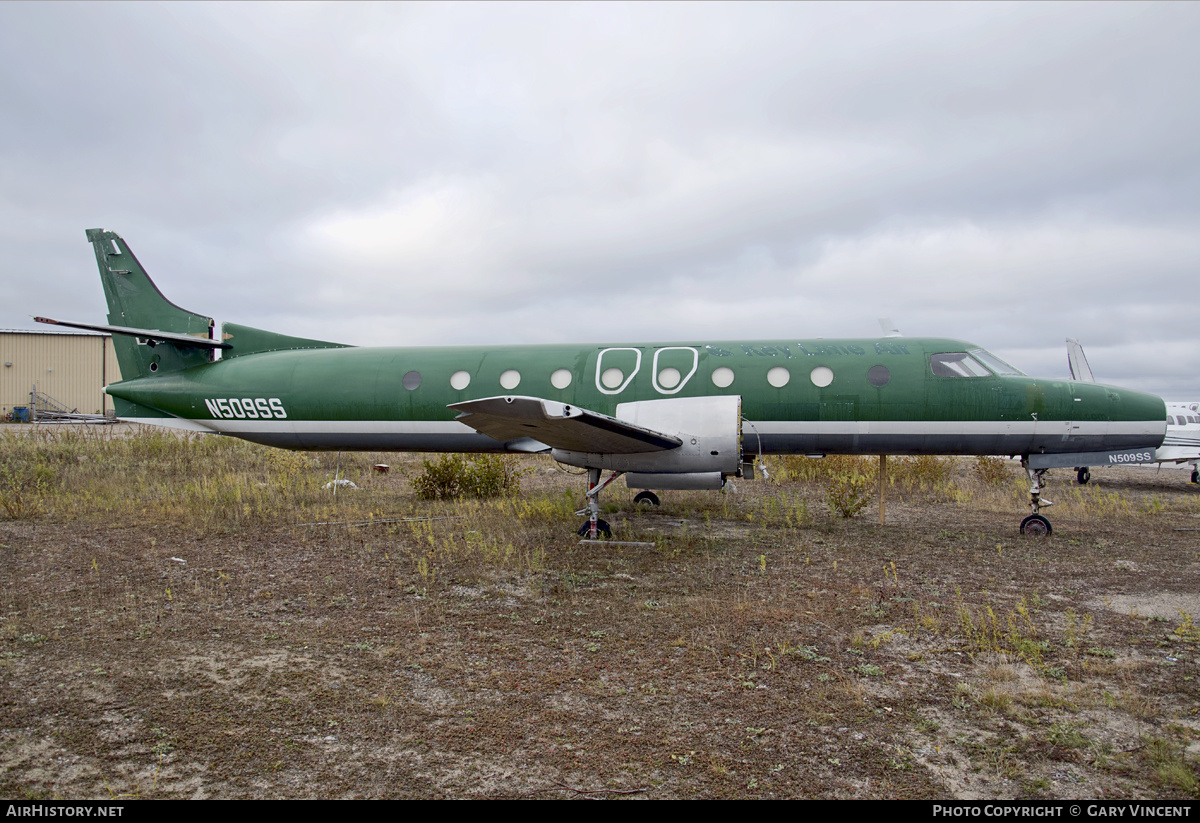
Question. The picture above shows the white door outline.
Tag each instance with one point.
(683, 382)
(600, 369)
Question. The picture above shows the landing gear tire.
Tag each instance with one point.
(1196, 475)
(1083, 475)
(649, 498)
(602, 528)
(1035, 526)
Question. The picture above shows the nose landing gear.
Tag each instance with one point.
(1035, 525)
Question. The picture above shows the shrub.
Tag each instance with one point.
(798, 468)
(453, 476)
(924, 471)
(848, 494)
(24, 483)
(994, 471)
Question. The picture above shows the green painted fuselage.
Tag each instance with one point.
(798, 396)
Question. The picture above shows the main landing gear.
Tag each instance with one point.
(594, 527)
(1082, 475)
(649, 499)
(1035, 525)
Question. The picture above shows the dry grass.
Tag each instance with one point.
(200, 617)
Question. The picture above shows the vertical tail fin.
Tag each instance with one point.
(134, 300)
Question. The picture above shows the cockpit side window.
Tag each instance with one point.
(995, 363)
(956, 364)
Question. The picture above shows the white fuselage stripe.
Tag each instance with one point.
(749, 429)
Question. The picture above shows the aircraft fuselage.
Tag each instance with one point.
(860, 396)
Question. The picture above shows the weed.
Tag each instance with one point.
(1036, 786)
(808, 653)
(1076, 629)
(1066, 736)
(1170, 766)
(984, 632)
(1187, 631)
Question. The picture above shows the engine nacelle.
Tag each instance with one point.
(697, 481)
(710, 427)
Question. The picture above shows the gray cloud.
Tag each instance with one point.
(407, 173)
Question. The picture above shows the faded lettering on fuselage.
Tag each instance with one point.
(811, 349)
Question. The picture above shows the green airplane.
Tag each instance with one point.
(668, 416)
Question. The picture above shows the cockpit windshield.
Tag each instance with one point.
(995, 363)
(957, 364)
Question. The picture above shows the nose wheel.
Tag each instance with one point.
(1036, 526)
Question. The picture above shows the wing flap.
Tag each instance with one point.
(560, 426)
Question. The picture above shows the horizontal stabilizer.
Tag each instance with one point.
(560, 426)
(145, 334)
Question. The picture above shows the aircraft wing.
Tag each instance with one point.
(560, 426)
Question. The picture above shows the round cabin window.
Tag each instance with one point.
(779, 377)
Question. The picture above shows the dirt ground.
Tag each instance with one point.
(752, 645)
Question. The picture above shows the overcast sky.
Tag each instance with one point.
(410, 174)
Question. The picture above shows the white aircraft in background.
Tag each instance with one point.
(1182, 444)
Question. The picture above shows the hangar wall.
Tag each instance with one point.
(72, 368)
